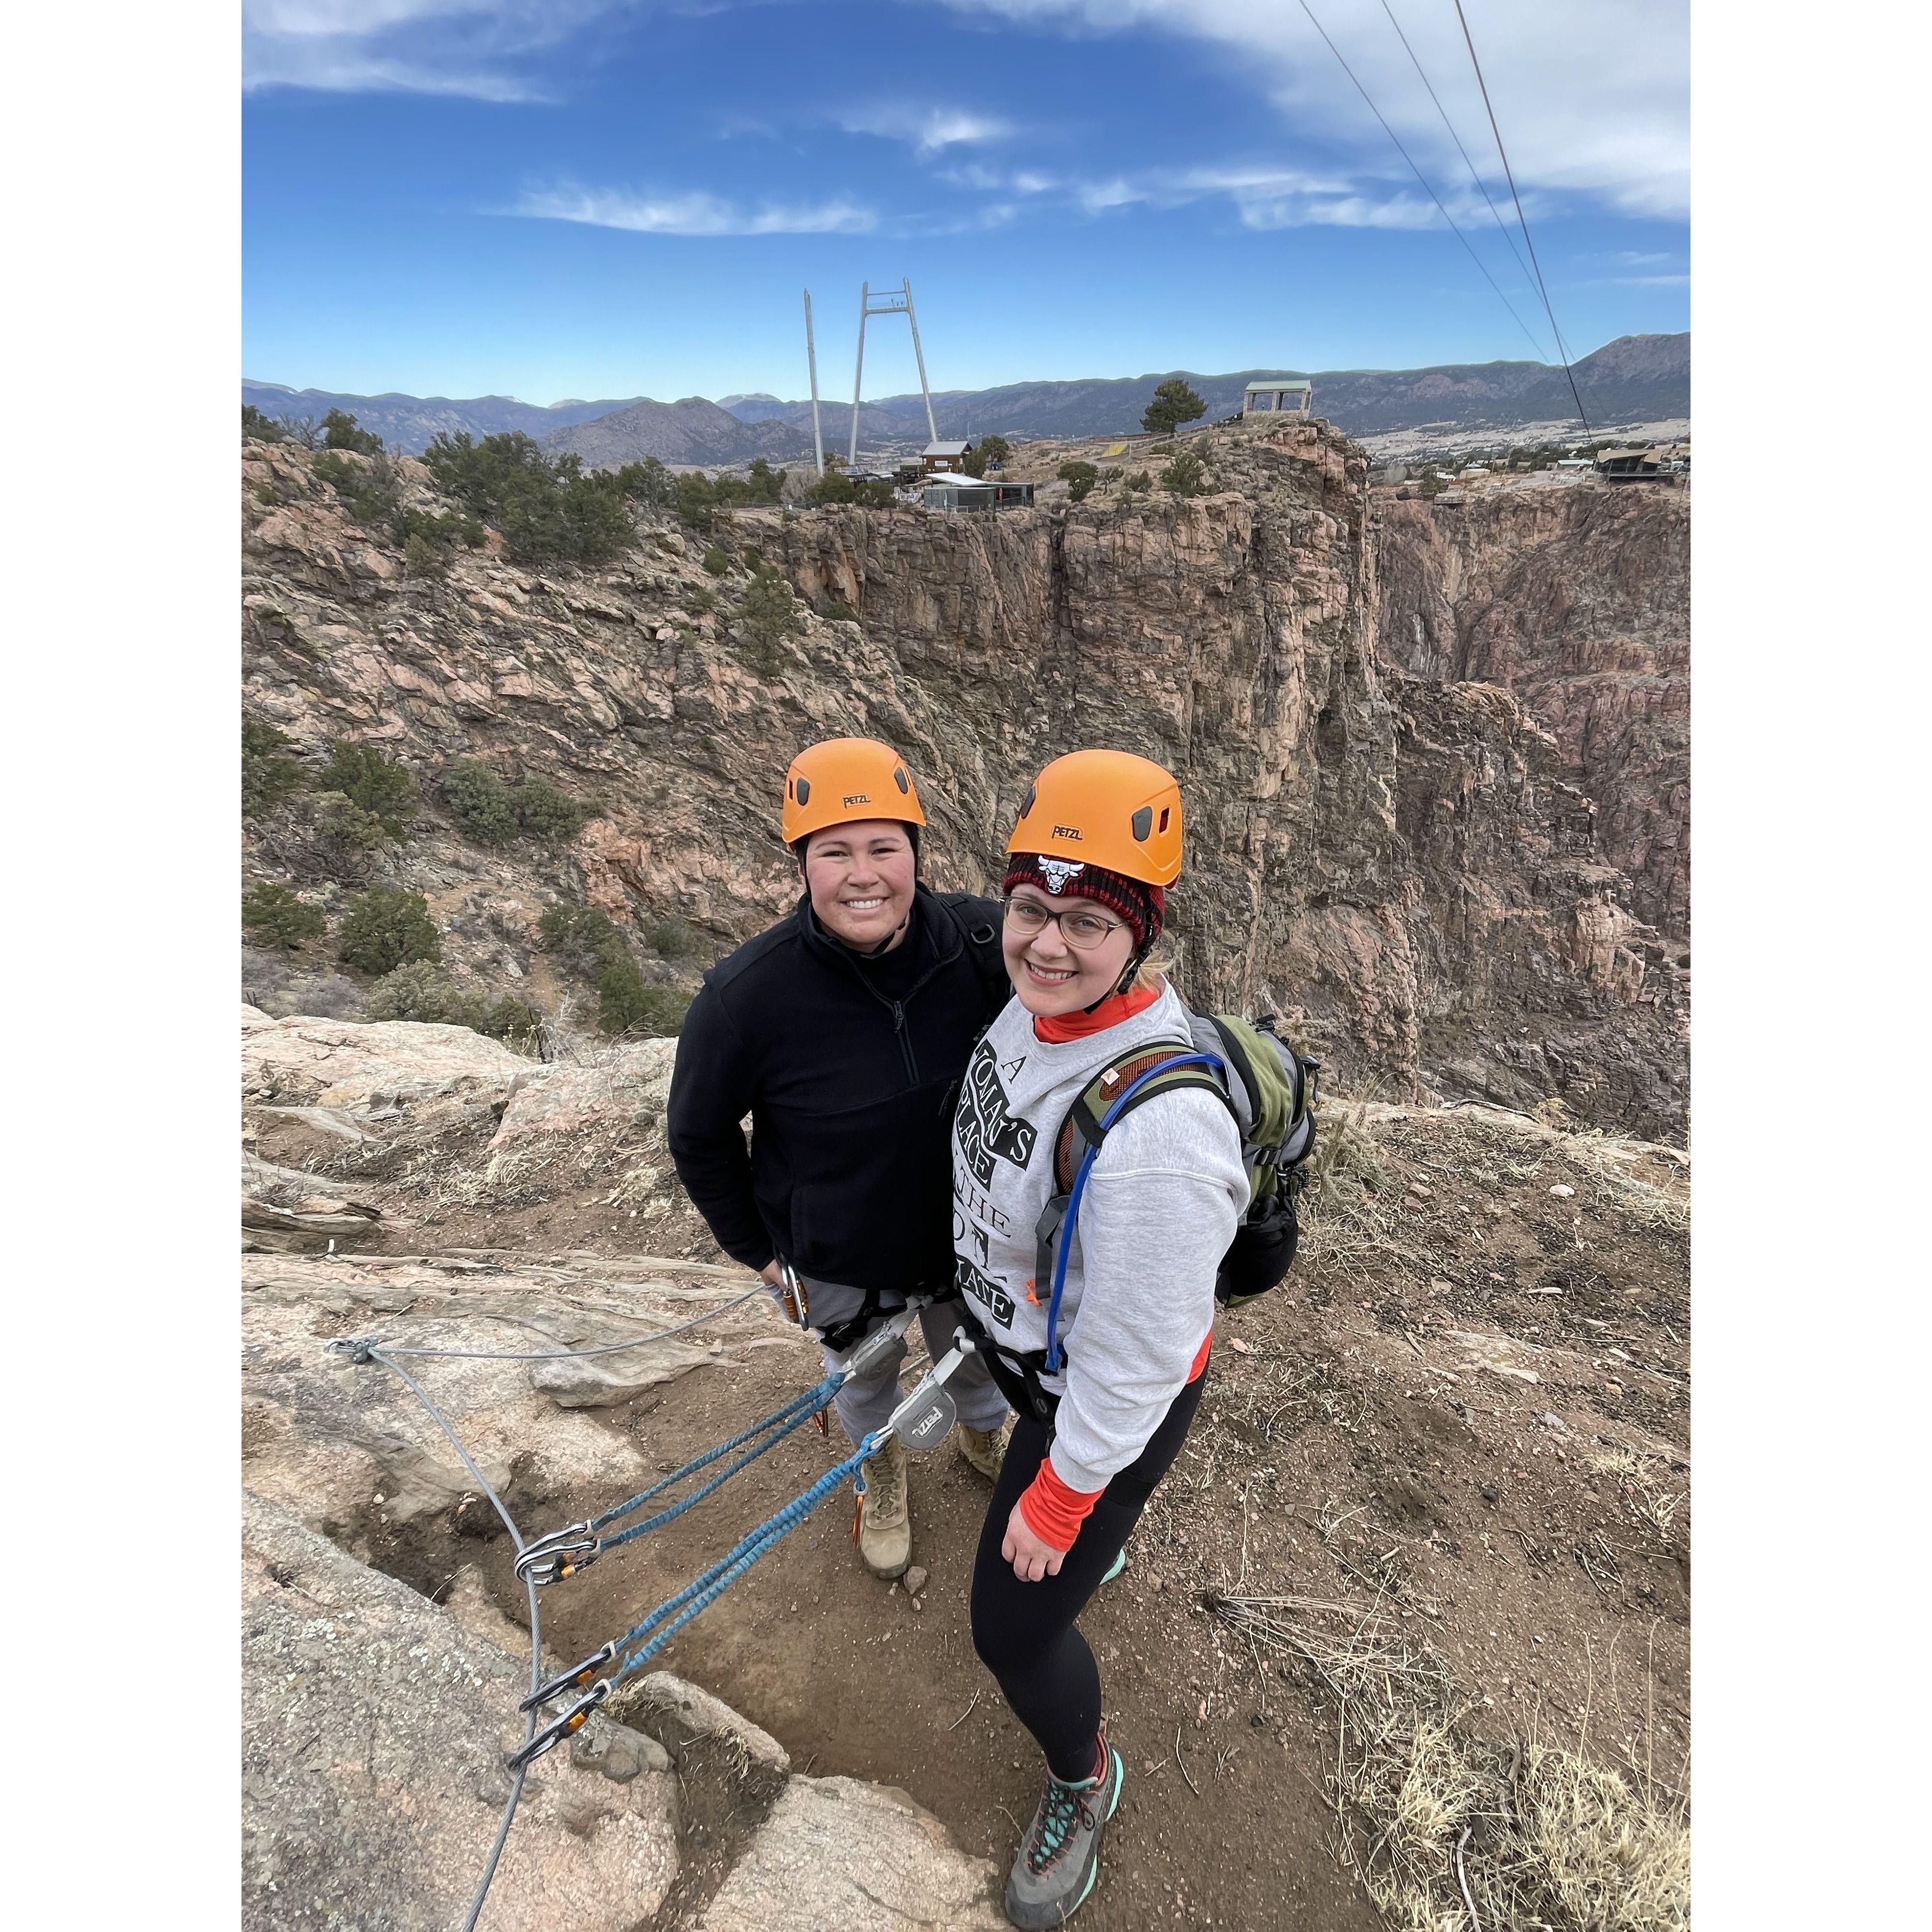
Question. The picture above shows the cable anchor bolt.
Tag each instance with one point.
(577, 1677)
(561, 1554)
(552, 1734)
(357, 1347)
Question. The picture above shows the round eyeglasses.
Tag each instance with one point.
(1081, 930)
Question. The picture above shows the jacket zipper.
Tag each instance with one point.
(905, 1041)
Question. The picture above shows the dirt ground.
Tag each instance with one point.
(1467, 1408)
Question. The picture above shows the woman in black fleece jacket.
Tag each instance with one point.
(844, 1032)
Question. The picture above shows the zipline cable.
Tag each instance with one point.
(571, 1354)
(1424, 179)
(1502, 227)
(1575, 395)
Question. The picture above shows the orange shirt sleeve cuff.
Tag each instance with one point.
(1053, 1512)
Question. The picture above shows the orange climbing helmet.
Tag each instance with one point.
(1103, 809)
(845, 779)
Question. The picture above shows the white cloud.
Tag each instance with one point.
(931, 130)
(1593, 96)
(692, 214)
(1262, 197)
(474, 48)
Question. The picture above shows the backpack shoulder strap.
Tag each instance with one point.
(1084, 1117)
(978, 920)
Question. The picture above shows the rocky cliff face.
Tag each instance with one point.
(1407, 865)
(1576, 600)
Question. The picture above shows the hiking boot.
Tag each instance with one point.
(1060, 1858)
(884, 1529)
(986, 1449)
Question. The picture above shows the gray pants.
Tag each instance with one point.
(867, 1401)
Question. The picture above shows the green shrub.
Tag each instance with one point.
(368, 485)
(701, 599)
(339, 432)
(837, 609)
(717, 560)
(387, 927)
(754, 557)
(648, 482)
(546, 510)
(627, 1003)
(544, 813)
(420, 531)
(592, 947)
(1112, 473)
(345, 830)
(1079, 478)
(479, 802)
(267, 773)
(581, 935)
(672, 939)
(770, 613)
(515, 1022)
(263, 429)
(1182, 475)
(275, 916)
(990, 452)
(378, 785)
(1174, 403)
(418, 991)
(1139, 480)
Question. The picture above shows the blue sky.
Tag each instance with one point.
(586, 198)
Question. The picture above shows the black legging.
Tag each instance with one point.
(1023, 1632)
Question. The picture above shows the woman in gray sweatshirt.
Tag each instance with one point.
(1107, 1374)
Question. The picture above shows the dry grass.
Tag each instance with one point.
(1616, 1166)
(1435, 1819)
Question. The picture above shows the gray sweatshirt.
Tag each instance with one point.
(1160, 1206)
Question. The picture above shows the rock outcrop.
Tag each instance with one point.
(374, 1731)
(1577, 601)
(1415, 875)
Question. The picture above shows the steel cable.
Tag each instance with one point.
(572, 1355)
(1424, 179)
(1563, 348)
(536, 1629)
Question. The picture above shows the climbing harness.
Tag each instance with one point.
(922, 1420)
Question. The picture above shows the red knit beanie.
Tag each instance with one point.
(1142, 906)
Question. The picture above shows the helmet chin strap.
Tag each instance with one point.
(1138, 960)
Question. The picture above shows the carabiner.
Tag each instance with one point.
(561, 1554)
(572, 1721)
(792, 1296)
(576, 1676)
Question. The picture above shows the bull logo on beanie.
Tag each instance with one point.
(1057, 871)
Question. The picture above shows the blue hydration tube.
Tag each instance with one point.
(1055, 1359)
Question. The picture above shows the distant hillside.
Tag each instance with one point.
(692, 430)
(1635, 379)
(407, 423)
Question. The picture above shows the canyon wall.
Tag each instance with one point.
(1406, 864)
(1577, 600)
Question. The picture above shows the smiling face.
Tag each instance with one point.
(860, 877)
(1050, 976)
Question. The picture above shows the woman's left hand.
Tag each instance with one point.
(1031, 1558)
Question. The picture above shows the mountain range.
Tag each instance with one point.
(1636, 378)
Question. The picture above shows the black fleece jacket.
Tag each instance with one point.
(850, 1071)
